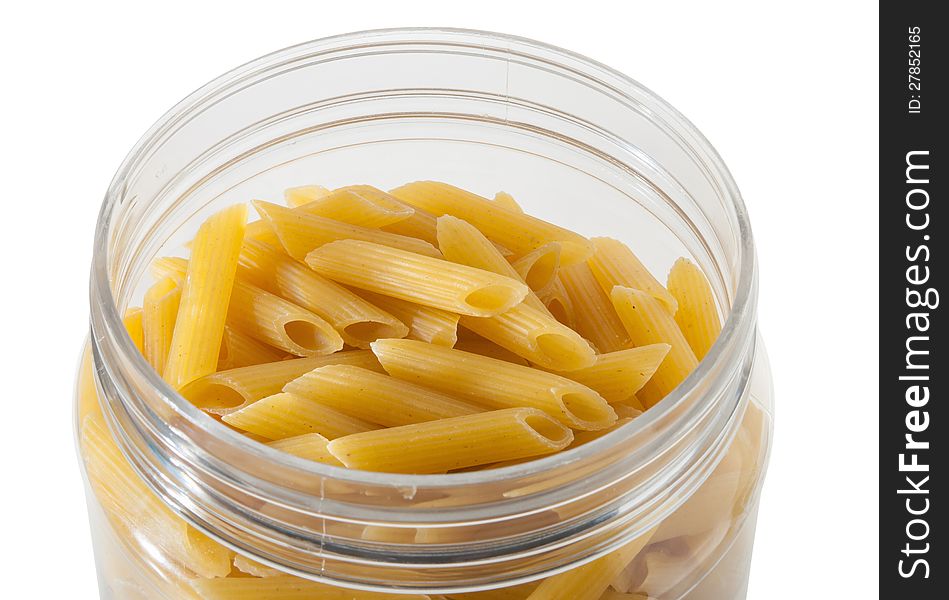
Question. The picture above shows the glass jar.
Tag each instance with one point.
(664, 507)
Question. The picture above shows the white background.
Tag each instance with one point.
(786, 92)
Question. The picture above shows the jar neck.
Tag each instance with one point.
(428, 533)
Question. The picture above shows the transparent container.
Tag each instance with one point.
(662, 508)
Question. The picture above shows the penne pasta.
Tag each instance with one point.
(261, 231)
(416, 278)
(535, 336)
(205, 293)
(425, 323)
(285, 415)
(517, 592)
(585, 437)
(421, 225)
(455, 443)
(227, 391)
(254, 568)
(239, 350)
(539, 267)
(311, 446)
(478, 345)
(358, 322)
(494, 383)
(648, 322)
(617, 376)
(304, 194)
(361, 205)
(518, 232)
(594, 316)
(376, 398)
(613, 263)
(271, 319)
(134, 326)
(285, 587)
(507, 201)
(299, 233)
(159, 312)
(558, 302)
(697, 315)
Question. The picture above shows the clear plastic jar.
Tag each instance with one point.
(663, 507)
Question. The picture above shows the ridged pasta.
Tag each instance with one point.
(648, 321)
(286, 587)
(558, 303)
(613, 263)
(455, 443)
(159, 312)
(585, 437)
(285, 415)
(494, 383)
(261, 231)
(134, 326)
(304, 194)
(478, 345)
(697, 315)
(205, 294)
(617, 376)
(311, 446)
(299, 233)
(376, 398)
(594, 316)
(361, 205)
(508, 202)
(240, 350)
(518, 232)
(358, 322)
(425, 323)
(539, 267)
(416, 278)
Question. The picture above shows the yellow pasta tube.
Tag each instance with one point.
(614, 264)
(205, 294)
(226, 391)
(358, 322)
(697, 316)
(304, 194)
(494, 383)
(311, 446)
(594, 316)
(361, 205)
(648, 322)
(261, 231)
(421, 225)
(134, 326)
(558, 302)
(239, 350)
(416, 278)
(585, 437)
(539, 267)
(507, 201)
(517, 592)
(376, 398)
(535, 336)
(462, 243)
(126, 498)
(285, 587)
(589, 581)
(254, 568)
(281, 324)
(455, 443)
(159, 312)
(478, 345)
(285, 415)
(425, 323)
(619, 375)
(518, 232)
(299, 233)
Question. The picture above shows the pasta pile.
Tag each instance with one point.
(424, 330)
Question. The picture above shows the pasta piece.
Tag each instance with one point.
(286, 587)
(648, 322)
(518, 232)
(558, 302)
(205, 294)
(254, 568)
(539, 267)
(697, 316)
(536, 336)
(134, 326)
(311, 446)
(585, 437)
(614, 595)
(261, 231)
(614, 264)
(125, 497)
(517, 592)
(589, 581)
(629, 409)
(494, 383)
(508, 202)
(299, 233)
(227, 391)
(281, 324)
(455, 443)
(425, 323)
(462, 243)
(358, 322)
(285, 415)
(594, 316)
(361, 205)
(170, 266)
(238, 350)
(619, 375)
(416, 278)
(304, 194)
(421, 225)
(159, 312)
(478, 345)
(376, 398)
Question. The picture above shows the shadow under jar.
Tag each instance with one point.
(663, 508)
